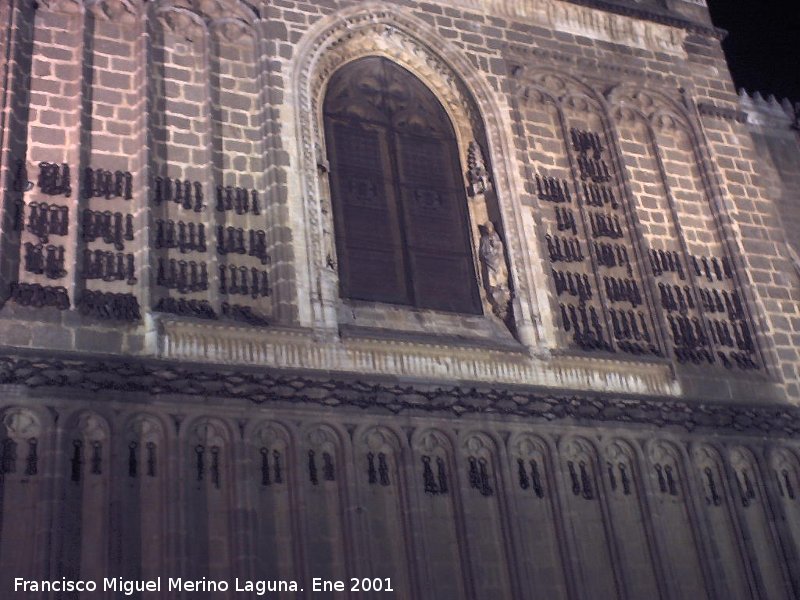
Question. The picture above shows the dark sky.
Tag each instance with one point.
(763, 44)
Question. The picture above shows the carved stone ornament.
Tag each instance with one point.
(66, 6)
(21, 424)
(265, 386)
(493, 259)
(546, 86)
(232, 17)
(145, 428)
(116, 11)
(92, 427)
(183, 24)
(209, 432)
(233, 31)
(477, 174)
(661, 108)
(605, 26)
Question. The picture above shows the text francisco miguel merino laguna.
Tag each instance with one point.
(128, 587)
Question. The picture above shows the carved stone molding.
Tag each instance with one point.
(118, 11)
(210, 11)
(154, 378)
(658, 108)
(65, 6)
(636, 26)
(549, 85)
(722, 112)
(217, 343)
(21, 424)
(519, 57)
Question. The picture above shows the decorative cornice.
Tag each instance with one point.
(231, 344)
(580, 19)
(720, 112)
(156, 378)
(516, 56)
(656, 17)
(635, 20)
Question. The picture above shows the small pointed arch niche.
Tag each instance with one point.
(401, 220)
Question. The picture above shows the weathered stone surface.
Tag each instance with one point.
(462, 456)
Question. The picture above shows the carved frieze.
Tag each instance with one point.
(261, 386)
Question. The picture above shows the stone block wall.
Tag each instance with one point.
(196, 180)
(183, 390)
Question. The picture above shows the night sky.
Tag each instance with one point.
(763, 44)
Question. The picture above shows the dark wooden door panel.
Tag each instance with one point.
(402, 229)
(444, 283)
(431, 222)
(373, 275)
(357, 146)
(425, 161)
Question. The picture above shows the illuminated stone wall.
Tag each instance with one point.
(183, 391)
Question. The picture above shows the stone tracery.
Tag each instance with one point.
(368, 32)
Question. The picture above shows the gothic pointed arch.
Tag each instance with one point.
(479, 120)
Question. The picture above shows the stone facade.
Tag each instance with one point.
(184, 393)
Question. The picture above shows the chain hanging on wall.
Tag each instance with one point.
(328, 473)
(241, 281)
(181, 275)
(99, 183)
(46, 219)
(379, 474)
(277, 468)
(187, 194)
(109, 266)
(21, 182)
(76, 463)
(699, 339)
(32, 460)
(54, 179)
(106, 305)
(554, 190)
(581, 483)
(201, 309)
(186, 237)
(39, 296)
(133, 464)
(97, 458)
(564, 249)
(479, 476)
(238, 200)
(8, 457)
(534, 481)
(589, 150)
(231, 240)
(312, 468)
(45, 260)
(784, 484)
(151, 459)
(245, 314)
(215, 467)
(585, 325)
(713, 497)
(113, 228)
